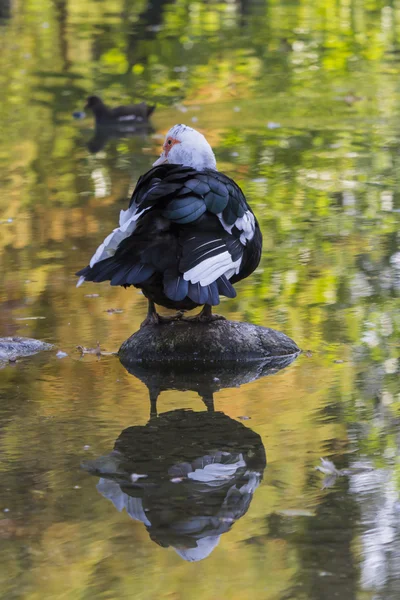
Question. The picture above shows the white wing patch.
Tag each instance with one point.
(246, 224)
(211, 268)
(127, 225)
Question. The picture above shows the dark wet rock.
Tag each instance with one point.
(12, 348)
(193, 342)
(204, 357)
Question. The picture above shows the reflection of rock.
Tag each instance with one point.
(204, 379)
(12, 348)
(217, 342)
(103, 133)
(186, 476)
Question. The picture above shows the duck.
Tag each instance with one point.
(121, 114)
(187, 236)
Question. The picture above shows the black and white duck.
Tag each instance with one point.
(105, 115)
(187, 236)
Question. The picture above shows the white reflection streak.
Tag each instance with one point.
(101, 184)
(379, 502)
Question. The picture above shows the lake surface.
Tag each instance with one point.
(301, 103)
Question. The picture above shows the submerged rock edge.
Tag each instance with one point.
(12, 347)
(219, 341)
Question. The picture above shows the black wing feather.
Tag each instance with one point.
(213, 294)
(198, 293)
(178, 231)
(199, 247)
(163, 173)
(185, 210)
(175, 287)
(120, 276)
(104, 270)
(225, 287)
(139, 273)
(201, 188)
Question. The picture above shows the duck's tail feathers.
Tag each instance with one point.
(82, 275)
(150, 110)
(116, 272)
(176, 288)
(204, 294)
(225, 287)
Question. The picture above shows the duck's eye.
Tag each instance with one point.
(169, 142)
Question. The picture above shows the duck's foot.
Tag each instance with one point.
(153, 318)
(157, 319)
(166, 320)
(150, 320)
(205, 316)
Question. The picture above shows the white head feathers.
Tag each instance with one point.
(186, 146)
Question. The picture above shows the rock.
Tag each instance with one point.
(193, 342)
(12, 348)
(204, 358)
(200, 376)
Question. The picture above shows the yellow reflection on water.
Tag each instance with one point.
(301, 105)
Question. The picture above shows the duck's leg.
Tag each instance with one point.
(206, 316)
(208, 400)
(154, 392)
(152, 317)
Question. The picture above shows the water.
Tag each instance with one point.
(301, 102)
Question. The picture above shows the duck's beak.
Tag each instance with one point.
(160, 161)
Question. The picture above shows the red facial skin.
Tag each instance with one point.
(169, 143)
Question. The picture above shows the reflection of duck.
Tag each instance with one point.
(205, 380)
(187, 476)
(103, 133)
(187, 235)
(135, 113)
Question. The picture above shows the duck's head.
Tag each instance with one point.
(93, 103)
(186, 146)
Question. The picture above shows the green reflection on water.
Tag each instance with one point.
(301, 104)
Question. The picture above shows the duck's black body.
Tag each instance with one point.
(121, 114)
(193, 236)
